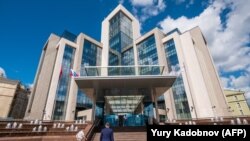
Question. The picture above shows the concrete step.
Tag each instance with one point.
(125, 136)
(39, 138)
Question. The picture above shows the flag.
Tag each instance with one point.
(73, 73)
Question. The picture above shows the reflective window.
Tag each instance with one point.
(147, 55)
(128, 60)
(99, 109)
(63, 83)
(83, 102)
(180, 98)
(68, 35)
(91, 56)
(120, 42)
(161, 102)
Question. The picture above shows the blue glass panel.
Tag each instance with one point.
(180, 98)
(147, 54)
(91, 56)
(99, 109)
(112, 119)
(130, 120)
(148, 109)
(120, 44)
(68, 35)
(134, 120)
(83, 101)
(63, 84)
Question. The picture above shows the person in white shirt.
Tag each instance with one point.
(80, 136)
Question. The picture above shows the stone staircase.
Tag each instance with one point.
(244, 120)
(125, 134)
(23, 130)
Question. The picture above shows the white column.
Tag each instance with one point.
(156, 105)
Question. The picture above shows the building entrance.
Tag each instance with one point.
(123, 100)
(125, 120)
(124, 110)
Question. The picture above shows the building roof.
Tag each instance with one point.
(9, 81)
(233, 92)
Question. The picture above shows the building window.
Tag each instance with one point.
(147, 55)
(120, 40)
(162, 118)
(235, 97)
(241, 112)
(63, 83)
(91, 56)
(180, 98)
(238, 105)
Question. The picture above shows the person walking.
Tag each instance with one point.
(107, 133)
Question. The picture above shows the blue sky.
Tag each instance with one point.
(25, 26)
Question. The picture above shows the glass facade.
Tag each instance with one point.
(68, 35)
(179, 93)
(161, 102)
(91, 56)
(83, 101)
(147, 55)
(131, 120)
(120, 44)
(118, 71)
(63, 83)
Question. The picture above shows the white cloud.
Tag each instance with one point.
(179, 1)
(144, 9)
(248, 69)
(247, 95)
(228, 44)
(187, 2)
(121, 1)
(191, 2)
(30, 86)
(238, 83)
(225, 82)
(241, 82)
(2, 72)
(142, 2)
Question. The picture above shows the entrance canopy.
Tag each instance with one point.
(95, 79)
(98, 85)
(125, 82)
(125, 90)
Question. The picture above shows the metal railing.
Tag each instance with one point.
(91, 131)
(123, 70)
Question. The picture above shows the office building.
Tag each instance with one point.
(150, 77)
(13, 99)
(237, 102)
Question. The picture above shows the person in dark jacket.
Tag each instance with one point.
(107, 133)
